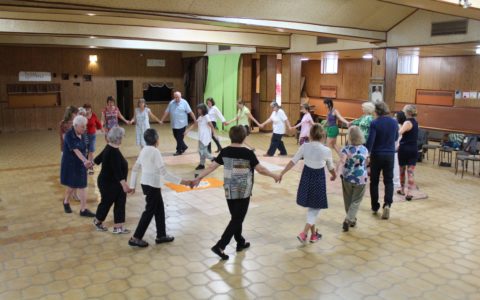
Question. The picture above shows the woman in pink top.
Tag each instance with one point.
(305, 124)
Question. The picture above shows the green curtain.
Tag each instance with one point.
(222, 82)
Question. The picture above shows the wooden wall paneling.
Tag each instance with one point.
(112, 65)
(391, 61)
(286, 78)
(378, 64)
(406, 88)
(350, 109)
(268, 73)
(459, 119)
(247, 69)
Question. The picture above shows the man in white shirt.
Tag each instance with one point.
(280, 125)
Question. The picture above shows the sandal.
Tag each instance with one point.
(408, 197)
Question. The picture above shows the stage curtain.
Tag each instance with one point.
(222, 81)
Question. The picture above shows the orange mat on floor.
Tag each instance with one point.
(206, 183)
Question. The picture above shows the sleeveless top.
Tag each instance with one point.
(409, 138)
(331, 118)
(111, 117)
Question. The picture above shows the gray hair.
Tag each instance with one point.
(410, 110)
(141, 100)
(79, 121)
(274, 104)
(115, 135)
(355, 136)
(368, 107)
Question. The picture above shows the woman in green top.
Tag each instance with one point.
(364, 121)
(243, 118)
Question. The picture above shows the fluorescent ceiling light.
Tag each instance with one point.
(477, 51)
(367, 56)
(91, 14)
(304, 59)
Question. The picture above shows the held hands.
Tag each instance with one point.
(277, 178)
(333, 177)
(87, 164)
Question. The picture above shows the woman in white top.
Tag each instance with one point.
(215, 114)
(305, 124)
(142, 121)
(150, 162)
(205, 133)
(312, 190)
(280, 124)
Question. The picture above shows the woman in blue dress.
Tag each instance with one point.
(74, 166)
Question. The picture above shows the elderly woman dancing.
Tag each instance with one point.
(74, 165)
(112, 182)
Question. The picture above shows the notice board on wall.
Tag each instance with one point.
(435, 97)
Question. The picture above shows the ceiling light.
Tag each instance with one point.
(367, 56)
(477, 51)
(92, 37)
(304, 59)
(92, 58)
(92, 47)
(91, 14)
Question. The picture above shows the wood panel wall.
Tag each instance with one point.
(352, 79)
(291, 77)
(112, 65)
(441, 73)
(268, 77)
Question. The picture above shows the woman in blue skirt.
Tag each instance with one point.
(312, 190)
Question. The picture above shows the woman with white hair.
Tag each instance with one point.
(142, 121)
(280, 125)
(73, 169)
(112, 183)
(364, 121)
(353, 161)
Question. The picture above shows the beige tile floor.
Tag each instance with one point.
(429, 249)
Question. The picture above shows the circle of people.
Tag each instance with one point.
(376, 143)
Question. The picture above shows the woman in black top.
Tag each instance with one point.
(407, 151)
(112, 182)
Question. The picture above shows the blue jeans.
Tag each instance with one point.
(91, 140)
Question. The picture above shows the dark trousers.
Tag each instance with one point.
(383, 164)
(277, 143)
(154, 207)
(112, 196)
(217, 142)
(238, 209)
(178, 134)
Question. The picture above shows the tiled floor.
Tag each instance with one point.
(429, 249)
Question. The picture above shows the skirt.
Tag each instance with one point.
(332, 131)
(312, 190)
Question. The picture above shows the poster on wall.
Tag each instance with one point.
(34, 76)
(375, 92)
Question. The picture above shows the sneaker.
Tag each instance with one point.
(302, 237)
(241, 247)
(67, 208)
(177, 153)
(120, 230)
(87, 213)
(137, 243)
(164, 239)
(354, 223)
(99, 225)
(215, 249)
(346, 225)
(200, 167)
(386, 213)
(316, 237)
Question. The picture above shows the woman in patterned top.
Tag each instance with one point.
(364, 121)
(110, 116)
(353, 158)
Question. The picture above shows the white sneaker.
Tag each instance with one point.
(386, 213)
(120, 230)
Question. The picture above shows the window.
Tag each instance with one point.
(408, 64)
(329, 65)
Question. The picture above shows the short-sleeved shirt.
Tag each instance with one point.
(243, 116)
(315, 155)
(278, 119)
(306, 125)
(215, 114)
(355, 167)
(204, 131)
(239, 164)
(179, 113)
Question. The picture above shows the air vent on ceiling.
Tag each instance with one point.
(451, 27)
(325, 40)
(223, 47)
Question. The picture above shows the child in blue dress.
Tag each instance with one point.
(312, 190)
(353, 159)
